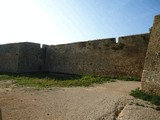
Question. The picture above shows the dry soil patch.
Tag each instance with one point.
(76, 103)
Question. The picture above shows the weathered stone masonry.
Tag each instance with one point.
(20, 57)
(98, 57)
(9, 57)
(151, 72)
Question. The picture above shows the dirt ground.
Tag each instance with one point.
(100, 102)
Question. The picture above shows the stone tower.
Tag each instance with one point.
(151, 72)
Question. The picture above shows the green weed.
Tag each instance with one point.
(137, 93)
(44, 80)
(55, 80)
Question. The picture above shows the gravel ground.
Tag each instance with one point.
(99, 102)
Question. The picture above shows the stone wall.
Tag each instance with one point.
(9, 57)
(151, 72)
(30, 57)
(99, 57)
(20, 57)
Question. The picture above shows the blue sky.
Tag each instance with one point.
(67, 21)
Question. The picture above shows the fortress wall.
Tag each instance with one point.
(76, 58)
(9, 57)
(99, 57)
(30, 57)
(21, 57)
(134, 52)
(151, 72)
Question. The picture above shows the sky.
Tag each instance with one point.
(65, 21)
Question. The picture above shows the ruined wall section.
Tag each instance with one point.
(99, 57)
(151, 72)
(30, 57)
(9, 57)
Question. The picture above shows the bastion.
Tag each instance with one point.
(151, 72)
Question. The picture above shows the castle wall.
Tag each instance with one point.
(99, 57)
(151, 72)
(21, 57)
(9, 57)
(30, 57)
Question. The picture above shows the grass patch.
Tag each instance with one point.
(47, 82)
(154, 99)
(44, 80)
(6, 77)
